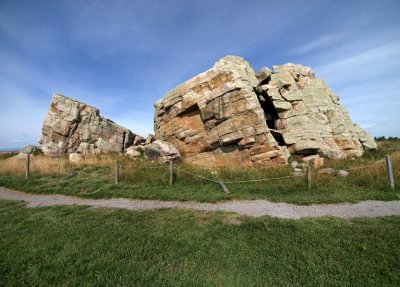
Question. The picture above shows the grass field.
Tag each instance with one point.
(141, 179)
(78, 246)
(81, 246)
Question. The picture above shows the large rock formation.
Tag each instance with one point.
(230, 116)
(71, 126)
(308, 114)
(215, 118)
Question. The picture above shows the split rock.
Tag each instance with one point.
(71, 125)
(230, 116)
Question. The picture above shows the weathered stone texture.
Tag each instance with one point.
(162, 151)
(71, 126)
(309, 115)
(230, 116)
(215, 118)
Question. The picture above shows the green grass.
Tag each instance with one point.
(97, 182)
(79, 246)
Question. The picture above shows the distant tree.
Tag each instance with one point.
(382, 138)
(393, 139)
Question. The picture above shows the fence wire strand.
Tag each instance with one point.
(236, 181)
(262, 179)
(196, 175)
(365, 167)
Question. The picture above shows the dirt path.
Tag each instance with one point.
(253, 208)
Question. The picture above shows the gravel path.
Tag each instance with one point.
(253, 208)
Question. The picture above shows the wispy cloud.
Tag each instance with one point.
(368, 64)
(320, 43)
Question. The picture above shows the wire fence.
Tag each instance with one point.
(171, 171)
(365, 167)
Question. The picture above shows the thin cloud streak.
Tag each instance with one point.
(320, 43)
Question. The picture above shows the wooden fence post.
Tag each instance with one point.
(171, 173)
(116, 171)
(389, 170)
(309, 174)
(27, 167)
(222, 185)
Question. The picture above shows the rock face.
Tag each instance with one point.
(308, 114)
(74, 127)
(230, 116)
(215, 118)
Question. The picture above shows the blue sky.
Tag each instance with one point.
(122, 56)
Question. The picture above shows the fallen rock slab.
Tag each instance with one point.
(71, 126)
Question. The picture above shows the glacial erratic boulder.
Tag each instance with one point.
(75, 127)
(231, 116)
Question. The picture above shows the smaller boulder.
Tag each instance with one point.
(75, 157)
(138, 140)
(335, 154)
(133, 152)
(263, 74)
(162, 151)
(149, 139)
(343, 173)
(23, 153)
(309, 158)
(29, 149)
(316, 159)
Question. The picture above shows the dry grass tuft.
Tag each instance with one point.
(39, 164)
(48, 165)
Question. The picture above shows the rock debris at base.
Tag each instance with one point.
(254, 208)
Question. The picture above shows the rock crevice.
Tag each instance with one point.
(231, 116)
